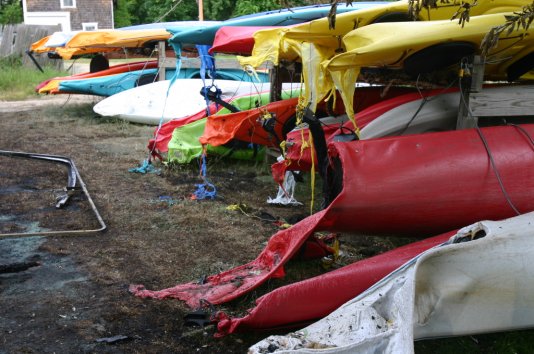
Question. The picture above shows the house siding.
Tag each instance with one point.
(86, 11)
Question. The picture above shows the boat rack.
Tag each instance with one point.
(476, 102)
(165, 61)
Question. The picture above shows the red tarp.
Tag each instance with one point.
(312, 299)
(411, 185)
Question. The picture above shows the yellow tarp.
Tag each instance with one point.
(102, 41)
(117, 38)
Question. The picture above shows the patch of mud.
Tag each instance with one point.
(43, 296)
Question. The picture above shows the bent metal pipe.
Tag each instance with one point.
(74, 183)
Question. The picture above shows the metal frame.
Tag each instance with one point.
(74, 183)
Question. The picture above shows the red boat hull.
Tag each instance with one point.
(411, 185)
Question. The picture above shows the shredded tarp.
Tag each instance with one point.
(293, 305)
(395, 186)
(248, 125)
(159, 144)
(185, 146)
(475, 283)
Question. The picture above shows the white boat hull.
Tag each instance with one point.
(154, 103)
(469, 285)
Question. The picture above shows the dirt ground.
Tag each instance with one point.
(70, 294)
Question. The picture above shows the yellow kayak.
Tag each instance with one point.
(102, 41)
(399, 45)
(423, 47)
(313, 42)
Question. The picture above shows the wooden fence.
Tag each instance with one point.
(16, 39)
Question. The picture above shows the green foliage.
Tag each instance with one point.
(121, 14)
(18, 82)
(10, 12)
(149, 11)
(218, 9)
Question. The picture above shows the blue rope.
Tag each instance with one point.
(207, 65)
(146, 167)
(204, 190)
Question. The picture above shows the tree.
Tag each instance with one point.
(245, 7)
(148, 11)
(121, 13)
(218, 9)
(10, 12)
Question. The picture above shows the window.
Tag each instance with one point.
(68, 3)
(90, 26)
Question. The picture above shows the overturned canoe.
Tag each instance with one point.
(110, 85)
(377, 188)
(235, 40)
(473, 284)
(282, 17)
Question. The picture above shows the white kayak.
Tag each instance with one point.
(434, 113)
(477, 282)
(155, 102)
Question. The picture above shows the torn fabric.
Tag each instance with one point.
(473, 284)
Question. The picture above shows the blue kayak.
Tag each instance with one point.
(282, 17)
(111, 84)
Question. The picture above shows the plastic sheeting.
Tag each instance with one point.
(476, 283)
(403, 185)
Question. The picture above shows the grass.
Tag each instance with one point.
(17, 82)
